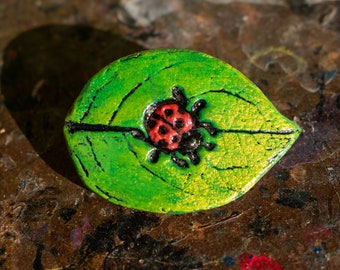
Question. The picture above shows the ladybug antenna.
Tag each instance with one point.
(179, 96)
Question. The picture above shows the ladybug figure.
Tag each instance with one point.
(171, 129)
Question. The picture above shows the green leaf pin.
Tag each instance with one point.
(174, 131)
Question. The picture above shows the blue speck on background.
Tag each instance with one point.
(317, 249)
(228, 261)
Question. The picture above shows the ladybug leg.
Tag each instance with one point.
(208, 146)
(154, 155)
(138, 134)
(198, 106)
(194, 157)
(195, 110)
(179, 96)
(179, 161)
(209, 127)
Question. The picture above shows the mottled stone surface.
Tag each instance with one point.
(51, 48)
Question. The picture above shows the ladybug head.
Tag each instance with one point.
(190, 142)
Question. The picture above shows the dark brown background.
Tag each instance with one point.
(291, 49)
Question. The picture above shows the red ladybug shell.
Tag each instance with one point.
(166, 125)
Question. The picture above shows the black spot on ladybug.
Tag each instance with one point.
(180, 133)
(181, 111)
(156, 116)
(168, 112)
(175, 139)
(162, 143)
(162, 130)
(151, 124)
(179, 123)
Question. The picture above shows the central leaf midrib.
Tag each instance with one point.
(76, 127)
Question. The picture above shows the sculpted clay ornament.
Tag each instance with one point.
(174, 131)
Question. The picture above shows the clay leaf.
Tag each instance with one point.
(251, 135)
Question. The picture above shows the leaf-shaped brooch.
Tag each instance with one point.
(174, 131)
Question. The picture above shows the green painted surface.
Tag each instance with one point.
(252, 135)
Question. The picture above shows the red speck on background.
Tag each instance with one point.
(12, 54)
(78, 234)
(254, 262)
(317, 233)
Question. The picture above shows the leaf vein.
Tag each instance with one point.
(82, 166)
(89, 107)
(109, 195)
(94, 154)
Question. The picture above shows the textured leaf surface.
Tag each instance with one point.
(252, 134)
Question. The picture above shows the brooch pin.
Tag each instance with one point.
(174, 131)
